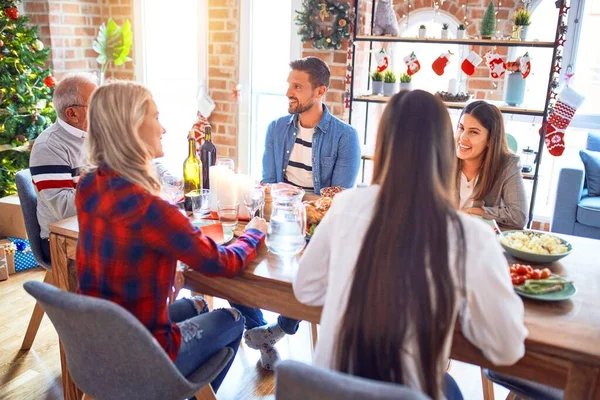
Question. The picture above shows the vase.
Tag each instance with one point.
(515, 89)
(460, 34)
(444, 33)
(405, 86)
(422, 33)
(377, 87)
(389, 89)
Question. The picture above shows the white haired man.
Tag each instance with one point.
(57, 154)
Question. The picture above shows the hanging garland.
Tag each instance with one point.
(326, 23)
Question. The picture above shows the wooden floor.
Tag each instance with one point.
(36, 374)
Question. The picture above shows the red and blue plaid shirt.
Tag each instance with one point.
(129, 243)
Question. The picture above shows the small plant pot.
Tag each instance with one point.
(444, 33)
(524, 29)
(377, 87)
(460, 34)
(405, 86)
(389, 89)
(422, 33)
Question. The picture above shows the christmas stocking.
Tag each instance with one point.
(525, 65)
(382, 60)
(412, 63)
(470, 63)
(440, 64)
(496, 65)
(567, 103)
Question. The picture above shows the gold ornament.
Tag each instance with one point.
(323, 13)
(328, 40)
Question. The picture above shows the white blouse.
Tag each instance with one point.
(466, 191)
(491, 317)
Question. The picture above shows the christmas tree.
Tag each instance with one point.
(488, 23)
(25, 92)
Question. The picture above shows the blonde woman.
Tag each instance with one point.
(130, 239)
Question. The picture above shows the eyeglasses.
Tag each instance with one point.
(78, 105)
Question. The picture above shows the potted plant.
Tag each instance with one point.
(422, 32)
(377, 82)
(445, 31)
(113, 45)
(488, 22)
(460, 32)
(405, 82)
(389, 83)
(522, 20)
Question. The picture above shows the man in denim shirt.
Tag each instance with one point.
(311, 149)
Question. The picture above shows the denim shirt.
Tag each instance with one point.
(335, 151)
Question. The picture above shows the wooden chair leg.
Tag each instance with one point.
(487, 386)
(512, 396)
(206, 393)
(36, 319)
(86, 397)
(314, 335)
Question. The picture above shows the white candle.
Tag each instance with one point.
(453, 86)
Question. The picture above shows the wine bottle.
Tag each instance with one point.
(192, 171)
(208, 156)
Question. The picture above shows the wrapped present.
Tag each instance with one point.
(9, 250)
(3, 264)
(23, 256)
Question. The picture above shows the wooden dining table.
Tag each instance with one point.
(562, 349)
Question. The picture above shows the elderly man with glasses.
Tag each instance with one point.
(58, 154)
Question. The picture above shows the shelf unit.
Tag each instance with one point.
(372, 99)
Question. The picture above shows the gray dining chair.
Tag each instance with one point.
(298, 381)
(112, 356)
(28, 200)
(523, 388)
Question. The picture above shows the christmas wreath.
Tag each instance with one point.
(325, 23)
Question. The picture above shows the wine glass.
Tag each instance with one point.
(227, 162)
(173, 185)
(254, 199)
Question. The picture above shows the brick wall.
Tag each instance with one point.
(70, 27)
(223, 72)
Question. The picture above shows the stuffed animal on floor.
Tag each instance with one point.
(385, 19)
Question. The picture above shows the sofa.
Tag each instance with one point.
(575, 211)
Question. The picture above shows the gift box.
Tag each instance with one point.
(3, 265)
(21, 251)
(11, 223)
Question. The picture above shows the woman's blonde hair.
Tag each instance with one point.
(116, 112)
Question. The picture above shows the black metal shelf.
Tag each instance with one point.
(469, 42)
(459, 105)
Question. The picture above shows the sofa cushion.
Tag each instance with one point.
(591, 162)
(588, 211)
(593, 141)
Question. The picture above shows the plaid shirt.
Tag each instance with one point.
(129, 242)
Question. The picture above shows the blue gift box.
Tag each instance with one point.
(23, 256)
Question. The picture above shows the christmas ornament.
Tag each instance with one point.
(12, 13)
(567, 104)
(41, 120)
(49, 81)
(38, 45)
(325, 23)
(496, 65)
(1, 43)
(440, 63)
(470, 63)
(412, 63)
(385, 19)
(382, 60)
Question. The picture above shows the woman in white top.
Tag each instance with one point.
(489, 175)
(394, 264)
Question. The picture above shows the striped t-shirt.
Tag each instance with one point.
(299, 169)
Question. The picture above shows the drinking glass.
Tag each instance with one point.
(227, 162)
(254, 199)
(228, 214)
(200, 203)
(173, 185)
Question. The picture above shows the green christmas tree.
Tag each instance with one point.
(25, 92)
(488, 23)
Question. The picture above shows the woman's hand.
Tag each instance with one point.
(474, 211)
(257, 223)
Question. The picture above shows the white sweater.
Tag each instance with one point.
(491, 317)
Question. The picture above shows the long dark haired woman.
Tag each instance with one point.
(395, 264)
(489, 175)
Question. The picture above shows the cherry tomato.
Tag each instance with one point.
(529, 269)
(537, 274)
(513, 270)
(546, 273)
(527, 276)
(515, 280)
(521, 270)
(520, 279)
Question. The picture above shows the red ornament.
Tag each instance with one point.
(49, 81)
(1, 43)
(12, 13)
